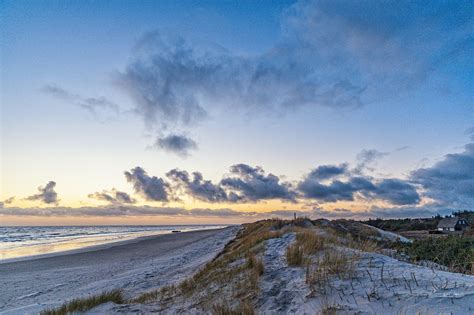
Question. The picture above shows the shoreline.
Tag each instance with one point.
(134, 266)
(101, 246)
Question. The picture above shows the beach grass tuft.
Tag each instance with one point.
(331, 263)
(86, 304)
(294, 255)
(243, 308)
(330, 309)
(307, 243)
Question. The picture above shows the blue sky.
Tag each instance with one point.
(91, 89)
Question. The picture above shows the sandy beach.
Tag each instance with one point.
(134, 266)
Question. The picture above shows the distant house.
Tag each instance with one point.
(450, 225)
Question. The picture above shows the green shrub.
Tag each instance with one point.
(454, 252)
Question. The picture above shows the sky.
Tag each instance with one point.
(165, 112)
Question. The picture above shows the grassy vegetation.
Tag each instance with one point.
(307, 243)
(255, 264)
(399, 225)
(294, 255)
(236, 269)
(353, 234)
(332, 263)
(244, 308)
(155, 294)
(454, 252)
(322, 259)
(86, 304)
(330, 309)
(235, 273)
(465, 214)
(338, 263)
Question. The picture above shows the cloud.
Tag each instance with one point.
(174, 83)
(470, 132)
(123, 210)
(114, 197)
(330, 54)
(392, 190)
(328, 171)
(397, 192)
(149, 187)
(178, 144)
(245, 184)
(337, 190)
(206, 212)
(94, 105)
(149, 211)
(47, 194)
(9, 200)
(387, 52)
(451, 180)
(366, 158)
(252, 184)
(199, 188)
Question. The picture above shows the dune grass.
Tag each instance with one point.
(86, 304)
(307, 243)
(243, 308)
(237, 267)
(330, 309)
(255, 264)
(332, 263)
(159, 294)
(338, 263)
(294, 255)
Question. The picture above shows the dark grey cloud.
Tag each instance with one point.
(394, 191)
(451, 180)
(114, 196)
(94, 105)
(149, 187)
(337, 190)
(46, 194)
(244, 184)
(329, 171)
(252, 184)
(397, 192)
(178, 144)
(199, 188)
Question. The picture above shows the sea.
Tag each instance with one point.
(25, 242)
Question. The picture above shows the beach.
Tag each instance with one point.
(134, 265)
